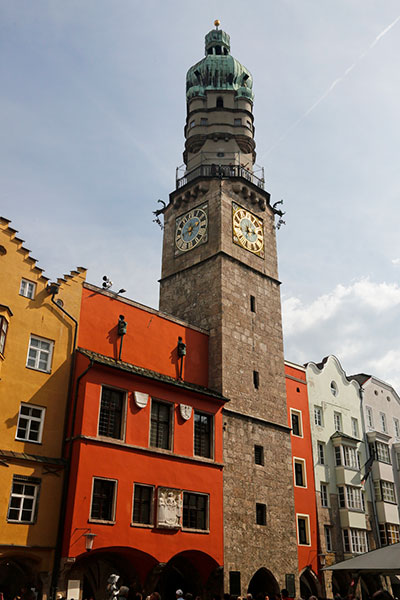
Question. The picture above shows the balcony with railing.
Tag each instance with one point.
(228, 166)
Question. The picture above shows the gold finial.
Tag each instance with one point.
(217, 23)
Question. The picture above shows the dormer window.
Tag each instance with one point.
(218, 50)
(27, 289)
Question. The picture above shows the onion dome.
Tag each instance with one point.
(218, 70)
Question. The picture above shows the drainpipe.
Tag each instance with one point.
(371, 486)
(64, 495)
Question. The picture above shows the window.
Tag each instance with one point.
(387, 492)
(192, 124)
(354, 498)
(346, 540)
(203, 433)
(3, 333)
(297, 428)
(396, 427)
(328, 538)
(370, 419)
(337, 419)
(382, 418)
(359, 543)
(142, 504)
(203, 121)
(338, 456)
(253, 304)
(334, 389)
(261, 514)
(39, 354)
(23, 499)
(103, 499)
(111, 411)
(220, 102)
(259, 455)
(160, 429)
(324, 495)
(237, 122)
(318, 415)
(27, 288)
(30, 423)
(342, 499)
(303, 530)
(393, 535)
(350, 457)
(321, 452)
(249, 125)
(382, 453)
(195, 511)
(354, 427)
(299, 472)
(256, 379)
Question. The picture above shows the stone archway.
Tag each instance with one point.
(309, 584)
(18, 572)
(263, 582)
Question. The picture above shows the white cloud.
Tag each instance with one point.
(396, 261)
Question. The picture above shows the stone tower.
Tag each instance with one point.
(219, 271)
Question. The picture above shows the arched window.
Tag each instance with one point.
(220, 102)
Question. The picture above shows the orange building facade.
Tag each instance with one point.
(303, 479)
(145, 445)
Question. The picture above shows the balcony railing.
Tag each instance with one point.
(222, 171)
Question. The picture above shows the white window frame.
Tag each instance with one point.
(299, 414)
(370, 417)
(337, 421)
(303, 463)
(307, 520)
(38, 352)
(27, 288)
(354, 500)
(4, 325)
(349, 457)
(31, 418)
(388, 493)
(354, 427)
(114, 501)
(20, 480)
(324, 495)
(318, 417)
(382, 417)
(383, 453)
(358, 541)
(321, 453)
(328, 538)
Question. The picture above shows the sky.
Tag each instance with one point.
(92, 110)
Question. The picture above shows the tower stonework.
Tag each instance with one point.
(219, 272)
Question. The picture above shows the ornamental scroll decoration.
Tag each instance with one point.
(186, 411)
(169, 508)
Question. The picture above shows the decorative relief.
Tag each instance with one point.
(186, 411)
(169, 508)
(141, 399)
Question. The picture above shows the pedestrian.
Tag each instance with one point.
(179, 594)
(123, 592)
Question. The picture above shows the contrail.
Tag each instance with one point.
(332, 86)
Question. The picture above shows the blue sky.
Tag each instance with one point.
(92, 109)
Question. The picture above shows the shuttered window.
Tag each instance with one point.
(202, 435)
(111, 407)
(160, 433)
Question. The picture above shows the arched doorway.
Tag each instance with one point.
(263, 582)
(17, 573)
(308, 584)
(179, 573)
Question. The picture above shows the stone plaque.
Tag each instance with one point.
(169, 508)
(141, 399)
(186, 411)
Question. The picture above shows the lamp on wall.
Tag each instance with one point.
(89, 540)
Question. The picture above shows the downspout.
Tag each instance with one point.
(64, 495)
(371, 486)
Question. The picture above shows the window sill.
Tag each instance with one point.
(188, 530)
(143, 525)
(100, 522)
(38, 370)
(38, 443)
(20, 522)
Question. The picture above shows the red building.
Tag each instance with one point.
(145, 442)
(303, 479)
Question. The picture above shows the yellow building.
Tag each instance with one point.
(36, 344)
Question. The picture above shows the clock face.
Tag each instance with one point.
(248, 230)
(191, 229)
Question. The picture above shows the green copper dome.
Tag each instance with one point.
(218, 70)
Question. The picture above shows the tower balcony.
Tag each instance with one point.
(226, 166)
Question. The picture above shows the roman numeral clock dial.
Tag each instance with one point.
(247, 230)
(191, 229)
